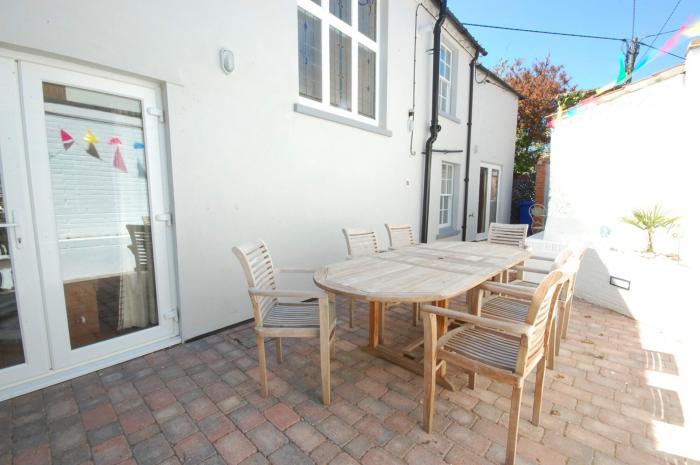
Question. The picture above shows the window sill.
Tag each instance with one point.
(450, 117)
(306, 110)
(447, 232)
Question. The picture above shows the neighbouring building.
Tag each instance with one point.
(139, 143)
(634, 147)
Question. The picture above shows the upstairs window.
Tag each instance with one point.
(338, 56)
(445, 100)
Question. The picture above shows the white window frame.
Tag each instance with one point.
(328, 19)
(449, 224)
(446, 82)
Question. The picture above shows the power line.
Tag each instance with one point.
(567, 34)
(664, 51)
(661, 33)
(662, 27)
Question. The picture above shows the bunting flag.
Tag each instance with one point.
(115, 141)
(621, 72)
(90, 138)
(67, 140)
(138, 145)
(118, 161)
(92, 150)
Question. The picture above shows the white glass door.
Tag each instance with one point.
(96, 170)
(489, 188)
(23, 341)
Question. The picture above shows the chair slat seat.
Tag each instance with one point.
(504, 308)
(294, 315)
(489, 347)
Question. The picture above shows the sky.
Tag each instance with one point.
(590, 63)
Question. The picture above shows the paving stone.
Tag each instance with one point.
(267, 438)
(337, 430)
(305, 436)
(247, 418)
(216, 426)
(194, 449)
(289, 455)
(152, 451)
(281, 415)
(178, 428)
(112, 451)
(136, 419)
(234, 448)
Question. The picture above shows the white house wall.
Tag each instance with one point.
(244, 164)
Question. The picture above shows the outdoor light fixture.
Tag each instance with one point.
(226, 61)
(619, 282)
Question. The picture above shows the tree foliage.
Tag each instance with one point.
(540, 83)
(650, 220)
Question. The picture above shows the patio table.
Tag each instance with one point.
(425, 273)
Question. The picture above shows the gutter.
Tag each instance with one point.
(472, 72)
(434, 123)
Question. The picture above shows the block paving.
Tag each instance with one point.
(199, 403)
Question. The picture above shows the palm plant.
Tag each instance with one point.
(650, 220)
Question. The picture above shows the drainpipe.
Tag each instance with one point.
(472, 81)
(434, 124)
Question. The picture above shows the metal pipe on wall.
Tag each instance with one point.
(472, 81)
(434, 123)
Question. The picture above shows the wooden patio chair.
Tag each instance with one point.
(505, 351)
(401, 236)
(538, 215)
(360, 242)
(507, 234)
(297, 316)
(504, 306)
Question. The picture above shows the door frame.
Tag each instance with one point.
(32, 77)
(487, 203)
(21, 239)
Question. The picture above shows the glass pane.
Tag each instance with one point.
(367, 80)
(341, 69)
(11, 348)
(493, 208)
(367, 18)
(309, 42)
(100, 194)
(341, 9)
(483, 185)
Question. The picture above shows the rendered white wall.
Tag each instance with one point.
(244, 164)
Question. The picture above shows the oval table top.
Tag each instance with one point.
(420, 273)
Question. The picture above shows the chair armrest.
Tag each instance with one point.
(507, 326)
(287, 293)
(530, 269)
(295, 270)
(542, 257)
(519, 292)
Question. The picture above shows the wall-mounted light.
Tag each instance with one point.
(226, 61)
(619, 282)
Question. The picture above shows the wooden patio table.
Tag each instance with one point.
(425, 273)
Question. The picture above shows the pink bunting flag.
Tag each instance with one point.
(115, 141)
(67, 140)
(118, 161)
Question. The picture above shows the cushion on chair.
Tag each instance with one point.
(489, 347)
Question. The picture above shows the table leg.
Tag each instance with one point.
(374, 324)
(441, 331)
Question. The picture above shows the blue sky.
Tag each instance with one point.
(591, 63)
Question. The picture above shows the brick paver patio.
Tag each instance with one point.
(609, 401)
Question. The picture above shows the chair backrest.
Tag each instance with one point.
(400, 235)
(257, 265)
(561, 258)
(141, 246)
(360, 242)
(540, 315)
(507, 234)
